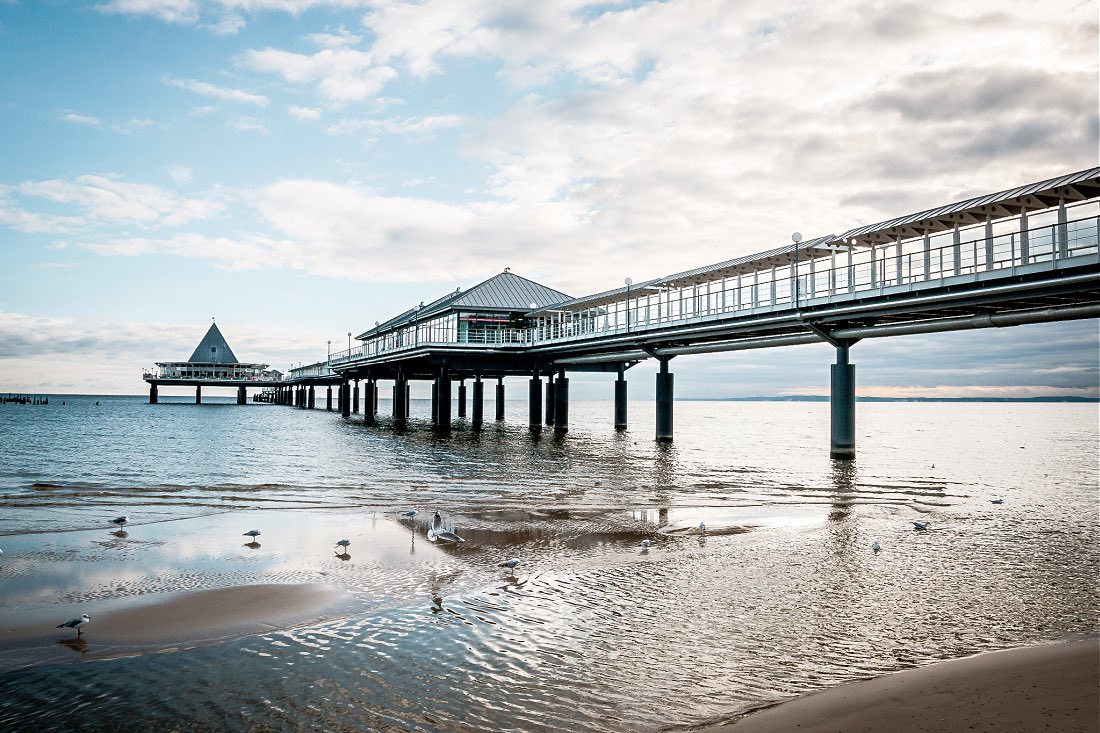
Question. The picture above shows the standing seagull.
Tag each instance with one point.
(438, 533)
(343, 543)
(510, 564)
(120, 520)
(253, 533)
(875, 547)
(410, 513)
(702, 527)
(921, 525)
(76, 623)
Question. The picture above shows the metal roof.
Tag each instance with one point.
(213, 349)
(504, 292)
(1040, 195)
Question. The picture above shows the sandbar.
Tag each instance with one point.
(1055, 687)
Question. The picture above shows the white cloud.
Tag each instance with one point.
(305, 113)
(407, 126)
(82, 119)
(211, 90)
(183, 12)
(229, 25)
(181, 174)
(202, 111)
(248, 124)
(341, 37)
(108, 199)
(342, 75)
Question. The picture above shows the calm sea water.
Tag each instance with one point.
(783, 594)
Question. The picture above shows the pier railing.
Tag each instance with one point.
(845, 273)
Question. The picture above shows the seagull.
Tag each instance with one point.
(875, 547)
(76, 623)
(120, 520)
(343, 543)
(645, 543)
(253, 533)
(921, 525)
(410, 513)
(702, 527)
(996, 501)
(510, 564)
(438, 533)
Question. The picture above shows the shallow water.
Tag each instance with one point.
(781, 596)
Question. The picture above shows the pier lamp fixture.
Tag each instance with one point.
(796, 238)
(628, 282)
(330, 350)
(349, 344)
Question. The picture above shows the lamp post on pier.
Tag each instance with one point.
(329, 351)
(796, 238)
(629, 282)
(349, 344)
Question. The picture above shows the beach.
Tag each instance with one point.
(1054, 687)
(196, 624)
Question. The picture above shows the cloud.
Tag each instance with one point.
(106, 199)
(82, 119)
(183, 12)
(248, 124)
(211, 90)
(406, 126)
(181, 174)
(229, 25)
(342, 75)
(305, 113)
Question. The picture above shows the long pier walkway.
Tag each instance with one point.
(1026, 255)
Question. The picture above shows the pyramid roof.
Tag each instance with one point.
(213, 349)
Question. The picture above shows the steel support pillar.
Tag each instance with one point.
(400, 406)
(242, 395)
(620, 401)
(311, 401)
(534, 394)
(355, 397)
(153, 394)
(328, 399)
(664, 403)
(561, 404)
(369, 391)
(198, 394)
(478, 407)
(842, 403)
(551, 403)
(462, 398)
(345, 398)
(444, 382)
(500, 398)
(435, 401)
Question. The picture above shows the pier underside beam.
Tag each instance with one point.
(478, 407)
(561, 404)
(620, 401)
(500, 398)
(842, 406)
(664, 403)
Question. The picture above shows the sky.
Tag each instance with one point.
(300, 169)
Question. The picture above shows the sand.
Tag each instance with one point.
(1043, 688)
(164, 622)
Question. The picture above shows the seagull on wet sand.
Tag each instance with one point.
(438, 533)
(253, 533)
(410, 513)
(76, 623)
(343, 543)
(645, 544)
(996, 501)
(702, 527)
(921, 525)
(875, 547)
(120, 520)
(510, 564)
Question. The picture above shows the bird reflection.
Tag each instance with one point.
(253, 545)
(79, 644)
(345, 557)
(121, 534)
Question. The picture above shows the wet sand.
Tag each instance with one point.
(171, 621)
(1043, 688)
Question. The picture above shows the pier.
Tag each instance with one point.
(1025, 255)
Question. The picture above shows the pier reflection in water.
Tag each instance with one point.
(784, 595)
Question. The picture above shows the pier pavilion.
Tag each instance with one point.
(212, 364)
